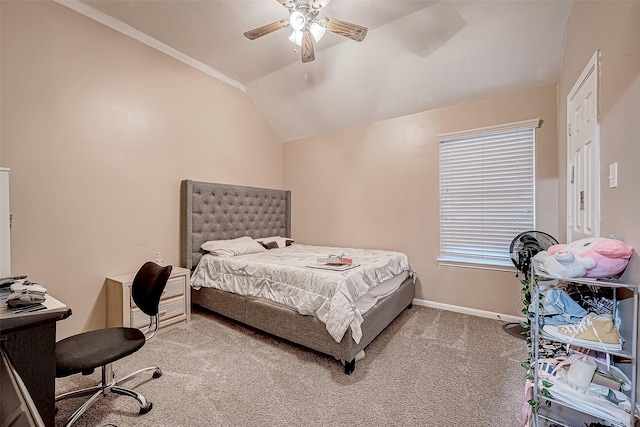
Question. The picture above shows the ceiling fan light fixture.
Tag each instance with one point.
(296, 37)
(317, 31)
(307, 28)
(297, 20)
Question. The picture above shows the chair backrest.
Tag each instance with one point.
(148, 285)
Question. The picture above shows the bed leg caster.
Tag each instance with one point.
(349, 367)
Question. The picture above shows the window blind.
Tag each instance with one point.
(487, 193)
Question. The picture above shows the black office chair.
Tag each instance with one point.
(86, 351)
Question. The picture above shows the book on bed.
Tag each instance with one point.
(334, 267)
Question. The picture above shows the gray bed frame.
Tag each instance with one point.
(210, 211)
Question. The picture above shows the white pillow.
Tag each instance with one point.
(278, 240)
(233, 247)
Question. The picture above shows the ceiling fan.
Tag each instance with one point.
(307, 27)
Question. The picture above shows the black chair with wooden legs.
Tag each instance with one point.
(86, 351)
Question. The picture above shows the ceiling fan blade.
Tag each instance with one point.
(265, 29)
(287, 3)
(319, 4)
(345, 29)
(307, 47)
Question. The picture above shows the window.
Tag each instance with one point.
(487, 192)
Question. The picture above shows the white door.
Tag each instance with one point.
(583, 155)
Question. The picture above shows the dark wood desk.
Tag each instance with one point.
(30, 341)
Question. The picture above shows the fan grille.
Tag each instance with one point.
(526, 245)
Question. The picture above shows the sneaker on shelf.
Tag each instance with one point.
(594, 330)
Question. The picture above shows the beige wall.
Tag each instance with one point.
(377, 186)
(98, 130)
(612, 27)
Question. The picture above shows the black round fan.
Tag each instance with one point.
(526, 245)
(523, 248)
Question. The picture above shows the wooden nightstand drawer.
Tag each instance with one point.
(175, 303)
(175, 287)
(170, 310)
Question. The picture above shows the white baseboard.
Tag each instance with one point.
(466, 310)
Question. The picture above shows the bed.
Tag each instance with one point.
(215, 212)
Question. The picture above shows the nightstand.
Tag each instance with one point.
(175, 303)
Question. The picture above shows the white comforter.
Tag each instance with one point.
(281, 275)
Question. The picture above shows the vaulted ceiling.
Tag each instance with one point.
(416, 56)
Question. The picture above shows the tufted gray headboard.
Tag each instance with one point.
(210, 211)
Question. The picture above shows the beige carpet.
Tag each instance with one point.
(428, 368)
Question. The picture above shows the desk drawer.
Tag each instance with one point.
(170, 310)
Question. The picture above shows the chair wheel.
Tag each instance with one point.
(146, 408)
(157, 373)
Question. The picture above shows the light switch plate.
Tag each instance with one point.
(613, 175)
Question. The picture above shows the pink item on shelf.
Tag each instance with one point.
(611, 256)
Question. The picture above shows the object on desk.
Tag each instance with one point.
(28, 287)
(31, 308)
(6, 281)
(8, 313)
(23, 296)
(21, 299)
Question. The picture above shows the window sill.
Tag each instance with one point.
(476, 264)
